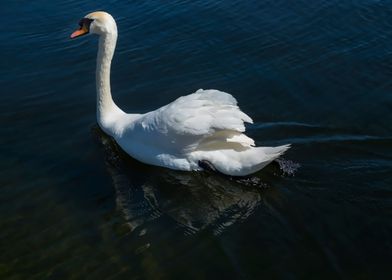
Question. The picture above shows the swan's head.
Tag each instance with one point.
(96, 23)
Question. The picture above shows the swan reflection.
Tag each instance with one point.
(192, 201)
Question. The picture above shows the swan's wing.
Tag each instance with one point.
(200, 114)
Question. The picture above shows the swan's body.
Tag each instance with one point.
(204, 126)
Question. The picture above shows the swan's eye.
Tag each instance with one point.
(85, 23)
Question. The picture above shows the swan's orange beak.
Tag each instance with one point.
(83, 30)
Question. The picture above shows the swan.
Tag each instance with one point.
(202, 130)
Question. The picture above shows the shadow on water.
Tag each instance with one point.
(192, 201)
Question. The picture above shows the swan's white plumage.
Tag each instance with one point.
(205, 125)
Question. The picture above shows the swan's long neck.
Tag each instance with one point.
(105, 104)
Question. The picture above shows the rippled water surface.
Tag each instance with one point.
(316, 74)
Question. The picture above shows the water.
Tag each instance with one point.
(312, 73)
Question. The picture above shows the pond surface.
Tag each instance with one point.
(316, 74)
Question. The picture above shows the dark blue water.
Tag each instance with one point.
(316, 74)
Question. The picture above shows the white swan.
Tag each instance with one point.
(203, 129)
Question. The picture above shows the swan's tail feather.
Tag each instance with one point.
(267, 155)
(276, 151)
(239, 162)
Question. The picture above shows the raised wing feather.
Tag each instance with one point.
(200, 114)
